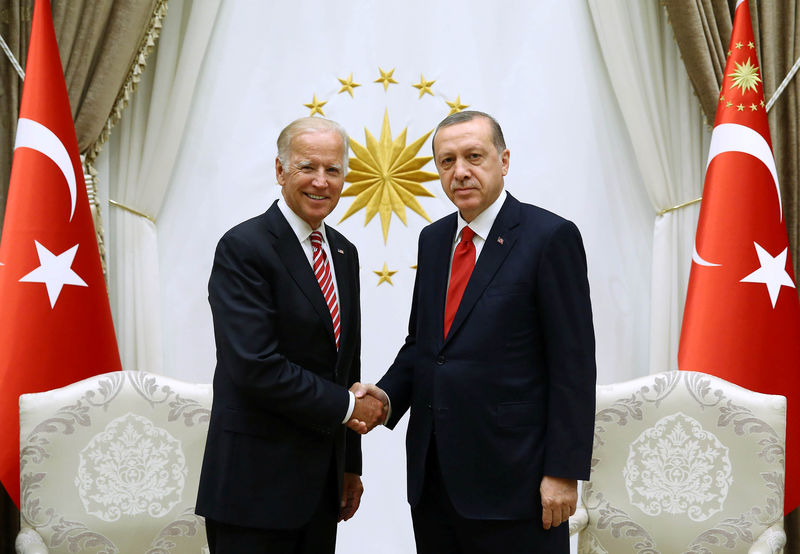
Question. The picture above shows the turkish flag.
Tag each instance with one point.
(742, 316)
(56, 323)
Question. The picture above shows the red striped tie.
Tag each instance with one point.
(323, 272)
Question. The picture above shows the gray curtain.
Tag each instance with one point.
(702, 31)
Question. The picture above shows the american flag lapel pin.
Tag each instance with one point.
(340, 251)
(499, 240)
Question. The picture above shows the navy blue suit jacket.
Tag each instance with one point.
(280, 386)
(510, 392)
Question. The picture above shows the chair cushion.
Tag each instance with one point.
(111, 464)
(683, 462)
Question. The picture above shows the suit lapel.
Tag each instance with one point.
(293, 257)
(499, 243)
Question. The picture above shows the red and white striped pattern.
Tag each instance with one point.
(322, 270)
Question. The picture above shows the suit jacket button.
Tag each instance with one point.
(440, 360)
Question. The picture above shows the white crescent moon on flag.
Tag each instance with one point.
(731, 137)
(32, 134)
(698, 260)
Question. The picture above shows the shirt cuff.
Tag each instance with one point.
(350, 407)
(389, 411)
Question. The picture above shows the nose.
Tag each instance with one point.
(320, 178)
(461, 169)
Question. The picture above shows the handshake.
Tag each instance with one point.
(371, 409)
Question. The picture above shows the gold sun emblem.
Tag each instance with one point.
(386, 176)
(745, 77)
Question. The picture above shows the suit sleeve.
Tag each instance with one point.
(352, 460)
(566, 319)
(246, 330)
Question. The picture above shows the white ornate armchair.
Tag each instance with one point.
(111, 465)
(684, 462)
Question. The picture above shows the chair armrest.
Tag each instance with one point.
(579, 520)
(771, 541)
(30, 542)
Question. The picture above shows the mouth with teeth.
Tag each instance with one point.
(315, 196)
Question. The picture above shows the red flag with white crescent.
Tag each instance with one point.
(57, 326)
(742, 316)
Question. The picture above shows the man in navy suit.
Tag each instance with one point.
(498, 368)
(280, 468)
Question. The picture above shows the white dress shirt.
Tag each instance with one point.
(303, 232)
(481, 225)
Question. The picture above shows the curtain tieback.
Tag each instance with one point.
(134, 211)
(679, 206)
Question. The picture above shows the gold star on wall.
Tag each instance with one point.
(386, 78)
(423, 86)
(750, 45)
(740, 107)
(739, 45)
(348, 85)
(386, 177)
(316, 106)
(745, 77)
(385, 275)
(456, 106)
(753, 107)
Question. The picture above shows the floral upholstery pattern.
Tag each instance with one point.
(684, 462)
(678, 467)
(111, 465)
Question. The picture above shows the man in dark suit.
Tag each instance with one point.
(280, 468)
(498, 367)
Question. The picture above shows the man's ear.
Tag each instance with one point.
(279, 171)
(504, 159)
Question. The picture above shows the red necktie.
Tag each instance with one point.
(322, 270)
(463, 264)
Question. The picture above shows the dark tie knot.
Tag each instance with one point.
(467, 234)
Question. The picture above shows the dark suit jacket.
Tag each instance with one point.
(280, 387)
(510, 392)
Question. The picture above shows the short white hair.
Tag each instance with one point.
(311, 125)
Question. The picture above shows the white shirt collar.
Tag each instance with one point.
(298, 225)
(482, 224)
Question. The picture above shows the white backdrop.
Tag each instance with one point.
(535, 66)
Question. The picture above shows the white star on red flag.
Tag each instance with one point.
(771, 273)
(54, 271)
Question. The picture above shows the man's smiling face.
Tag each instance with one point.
(313, 178)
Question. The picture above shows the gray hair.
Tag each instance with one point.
(462, 117)
(311, 125)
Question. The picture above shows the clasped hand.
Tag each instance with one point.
(371, 409)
